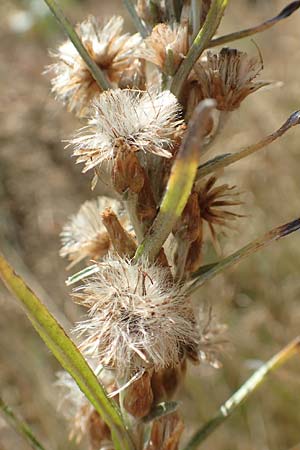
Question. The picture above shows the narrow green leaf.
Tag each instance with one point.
(201, 42)
(200, 277)
(286, 12)
(138, 23)
(67, 354)
(222, 161)
(20, 426)
(179, 184)
(160, 410)
(95, 70)
(242, 394)
(86, 272)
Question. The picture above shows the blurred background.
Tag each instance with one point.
(40, 187)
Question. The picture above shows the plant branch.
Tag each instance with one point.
(222, 161)
(242, 394)
(95, 70)
(286, 12)
(179, 184)
(206, 273)
(20, 426)
(201, 42)
(67, 354)
(138, 23)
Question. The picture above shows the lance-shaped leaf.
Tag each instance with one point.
(222, 161)
(212, 270)
(20, 426)
(138, 23)
(67, 354)
(201, 42)
(179, 184)
(286, 12)
(242, 394)
(95, 70)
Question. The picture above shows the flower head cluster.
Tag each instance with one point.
(227, 76)
(137, 319)
(85, 236)
(141, 120)
(110, 50)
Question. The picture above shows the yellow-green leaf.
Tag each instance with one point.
(67, 354)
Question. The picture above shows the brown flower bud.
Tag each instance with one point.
(98, 431)
(166, 433)
(138, 397)
(127, 173)
(122, 241)
(166, 382)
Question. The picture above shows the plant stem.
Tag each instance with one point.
(20, 426)
(179, 184)
(206, 274)
(201, 42)
(222, 161)
(138, 23)
(95, 70)
(286, 12)
(242, 394)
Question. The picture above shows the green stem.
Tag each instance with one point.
(242, 394)
(201, 42)
(95, 70)
(20, 426)
(205, 274)
(286, 12)
(222, 161)
(180, 183)
(138, 23)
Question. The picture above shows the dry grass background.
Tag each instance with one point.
(40, 187)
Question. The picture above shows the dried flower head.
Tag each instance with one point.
(214, 202)
(227, 76)
(166, 47)
(85, 236)
(111, 50)
(138, 119)
(137, 319)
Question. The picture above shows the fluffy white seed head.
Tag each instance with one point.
(145, 121)
(85, 236)
(112, 51)
(137, 319)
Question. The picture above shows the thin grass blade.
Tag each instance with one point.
(95, 70)
(242, 394)
(201, 276)
(138, 23)
(222, 161)
(67, 354)
(286, 12)
(199, 44)
(179, 184)
(21, 428)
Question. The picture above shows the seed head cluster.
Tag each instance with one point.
(145, 131)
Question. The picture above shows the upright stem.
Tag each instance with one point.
(201, 42)
(242, 394)
(95, 70)
(138, 23)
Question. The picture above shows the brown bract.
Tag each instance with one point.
(214, 202)
(227, 76)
